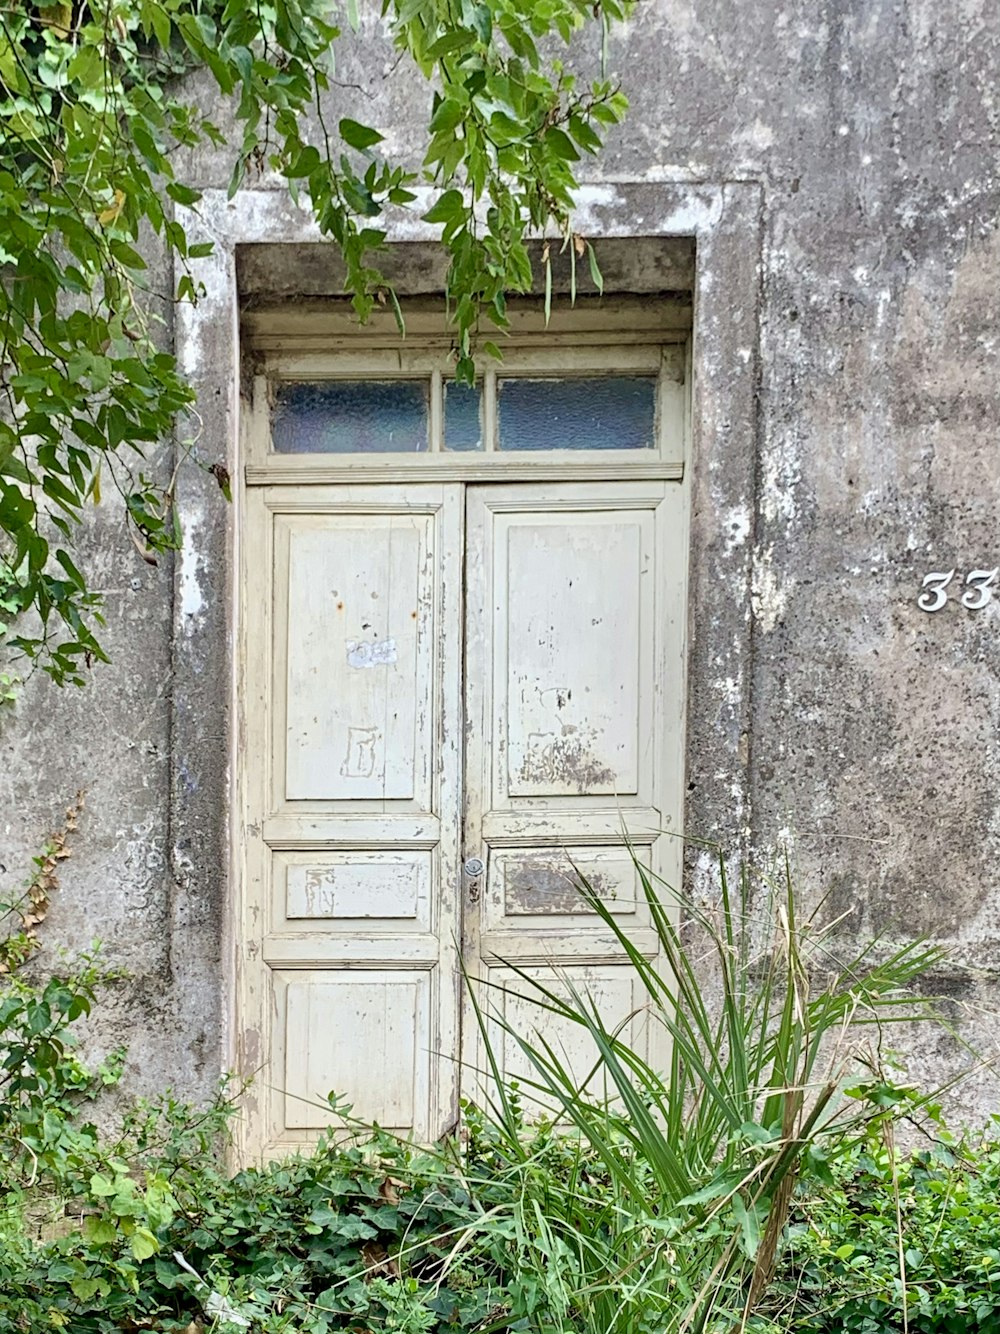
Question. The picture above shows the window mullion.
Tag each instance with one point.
(490, 410)
(436, 425)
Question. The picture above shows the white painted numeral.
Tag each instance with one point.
(980, 584)
(936, 590)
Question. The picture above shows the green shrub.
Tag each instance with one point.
(341, 1239)
(898, 1241)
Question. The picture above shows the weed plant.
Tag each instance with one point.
(890, 1242)
(699, 1162)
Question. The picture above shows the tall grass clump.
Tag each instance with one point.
(674, 1188)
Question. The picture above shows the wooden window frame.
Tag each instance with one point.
(619, 336)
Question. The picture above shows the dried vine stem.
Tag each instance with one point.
(32, 907)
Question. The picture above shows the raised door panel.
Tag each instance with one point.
(611, 991)
(354, 891)
(571, 636)
(536, 902)
(364, 1035)
(568, 630)
(354, 657)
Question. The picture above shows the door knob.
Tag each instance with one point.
(474, 868)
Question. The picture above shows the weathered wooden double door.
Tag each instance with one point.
(452, 693)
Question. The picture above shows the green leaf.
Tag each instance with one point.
(61, 494)
(584, 135)
(595, 273)
(749, 1226)
(182, 194)
(86, 68)
(353, 1229)
(357, 135)
(64, 560)
(236, 178)
(161, 23)
(8, 63)
(306, 162)
(561, 144)
(13, 467)
(143, 1243)
(15, 508)
(449, 207)
(127, 256)
(482, 21)
(450, 41)
(715, 1189)
(84, 1289)
(450, 112)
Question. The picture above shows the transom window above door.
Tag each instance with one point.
(602, 384)
(502, 412)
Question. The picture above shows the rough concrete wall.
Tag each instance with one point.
(111, 741)
(874, 746)
(874, 726)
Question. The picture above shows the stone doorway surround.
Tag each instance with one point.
(725, 222)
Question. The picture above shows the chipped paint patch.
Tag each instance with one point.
(736, 527)
(704, 875)
(768, 596)
(757, 137)
(381, 653)
(191, 563)
(565, 763)
(730, 689)
(785, 844)
(781, 474)
(196, 324)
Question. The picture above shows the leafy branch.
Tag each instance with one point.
(93, 108)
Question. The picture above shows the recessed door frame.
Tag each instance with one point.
(315, 485)
(456, 824)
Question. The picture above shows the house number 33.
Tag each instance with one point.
(979, 586)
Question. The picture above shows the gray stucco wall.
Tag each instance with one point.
(857, 730)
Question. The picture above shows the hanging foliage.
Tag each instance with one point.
(94, 105)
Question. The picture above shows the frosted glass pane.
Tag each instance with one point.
(350, 417)
(613, 412)
(463, 417)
